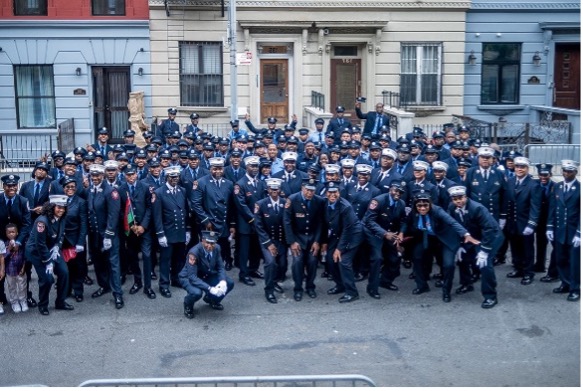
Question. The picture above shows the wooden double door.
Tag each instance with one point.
(111, 88)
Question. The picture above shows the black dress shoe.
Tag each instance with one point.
(64, 306)
(188, 311)
(228, 266)
(271, 298)
(165, 292)
(135, 288)
(247, 281)
(548, 278)
(391, 286)
(411, 276)
(475, 277)
(347, 298)
(514, 274)
(324, 274)
(574, 296)
(330, 277)
(100, 292)
(407, 264)
(360, 277)
(88, 280)
(374, 295)
(489, 303)
(31, 302)
(118, 302)
(153, 276)
(437, 276)
(526, 280)
(335, 291)
(277, 288)
(150, 293)
(562, 289)
(43, 310)
(256, 274)
(418, 291)
(446, 297)
(311, 293)
(217, 306)
(439, 284)
(78, 298)
(464, 289)
(298, 296)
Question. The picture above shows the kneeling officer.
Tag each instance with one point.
(204, 273)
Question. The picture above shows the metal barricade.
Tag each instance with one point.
(238, 381)
(552, 153)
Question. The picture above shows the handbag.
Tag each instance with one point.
(69, 253)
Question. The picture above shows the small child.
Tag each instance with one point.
(15, 277)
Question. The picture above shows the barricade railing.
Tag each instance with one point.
(552, 153)
(238, 381)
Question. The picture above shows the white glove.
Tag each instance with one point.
(163, 241)
(79, 249)
(187, 237)
(576, 241)
(502, 223)
(107, 244)
(49, 268)
(459, 254)
(54, 253)
(482, 259)
(550, 236)
(528, 231)
(215, 291)
(222, 285)
(407, 210)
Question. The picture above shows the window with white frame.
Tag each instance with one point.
(201, 74)
(500, 73)
(30, 7)
(35, 96)
(421, 74)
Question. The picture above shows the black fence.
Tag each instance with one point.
(318, 100)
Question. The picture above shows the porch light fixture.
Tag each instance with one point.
(78, 71)
(472, 58)
(140, 71)
(536, 59)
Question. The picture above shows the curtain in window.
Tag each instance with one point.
(35, 96)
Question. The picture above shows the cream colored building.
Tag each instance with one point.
(289, 49)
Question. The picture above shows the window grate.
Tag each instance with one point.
(201, 74)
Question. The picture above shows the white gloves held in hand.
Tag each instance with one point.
(502, 223)
(482, 259)
(107, 244)
(163, 241)
(49, 268)
(79, 249)
(528, 231)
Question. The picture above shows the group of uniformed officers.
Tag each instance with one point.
(359, 202)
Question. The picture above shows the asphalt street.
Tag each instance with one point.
(532, 338)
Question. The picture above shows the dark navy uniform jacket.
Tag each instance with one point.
(565, 212)
(188, 176)
(229, 173)
(359, 199)
(27, 191)
(384, 183)
(479, 223)
(170, 214)
(446, 229)
(167, 127)
(342, 228)
(370, 126)
(269, 224)
(523, 205)
(303, 221)
(107, 148)
(443, 197)
(19, 215)
(57, 188)
(426, 186)
(246, 196)
(214, 203)
(104, 208)
(492, 193)
(141, 202)
(197, 274)
(384, 214)
(295, 183)
(406, 171)
(304, 162)
(44, 235)
(335, 126)
(545, 203)
(76, 222)
(150, 181)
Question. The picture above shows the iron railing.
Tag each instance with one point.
(391, 99)
(24, 150)
(318, 100)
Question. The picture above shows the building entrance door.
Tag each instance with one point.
(274, 90)
(345, 86)
(111, 87)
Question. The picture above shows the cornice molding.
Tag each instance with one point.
(74, 24)
(387, 4)
(558, 6)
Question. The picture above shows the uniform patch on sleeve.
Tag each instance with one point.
(236, 189)
(40, 227)
(288, 203)
(114, 195)
(373, 205)
(191, 259)
(194, 185)
(256, 208)
(153, 197)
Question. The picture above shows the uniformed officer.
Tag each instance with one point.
(169, 125)
(14, 209)
(303, 232)
(524, 200)
(212, 201)
(236, 131)
(136, 217)
(384, 218)
(564, 230)
(474, 217)
(430, 226)
(170, 216)
(204, 274)
(338, 124)
(343, 234)
(56, 172)
(101, 145)
(269, 225)
(383, 176)
(547, 184)
(193, 127)
(442, 183)
(103, 207)
(75, 236)
(36, 191)
(43, 250)
(420, 182)
(292, 178)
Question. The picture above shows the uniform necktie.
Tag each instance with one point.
(276, 208)
(36, 193)
(486, 174)
(379, 123)
(461, 214)
(103, 151)
(9, 207)
(320, 136)
(341, 122)
(425, 234)
(400, 169)
(69, 200)
(157, 181)
(132, 190)
(208, 258)
(218, 184)
(287, 177)
(358, 188)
